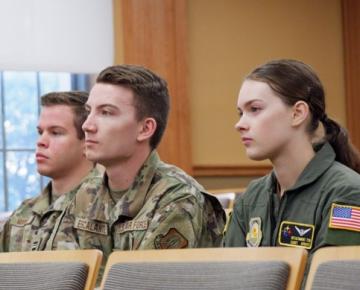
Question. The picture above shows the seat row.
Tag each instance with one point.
(273, 268)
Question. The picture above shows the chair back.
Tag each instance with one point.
(335, 268)
(211, 268)
(43, 270)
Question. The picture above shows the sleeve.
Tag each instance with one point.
(341, 224)
(175, 225)
(235, 233)
(4, 236)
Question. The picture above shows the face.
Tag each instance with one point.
(265, 121)
(111, 128)
(58, 150)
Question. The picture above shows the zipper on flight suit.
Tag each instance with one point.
(281, 204)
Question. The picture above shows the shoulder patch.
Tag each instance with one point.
(292, 234)
(254, 236)
(91, 226)
(172, 240)
(345, 217)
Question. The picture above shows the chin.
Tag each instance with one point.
(91, 157)
(256, 156)
(44, 172)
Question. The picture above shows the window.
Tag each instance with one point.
(20, 106)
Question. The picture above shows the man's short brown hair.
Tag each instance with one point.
(151, 96)
(74, 99)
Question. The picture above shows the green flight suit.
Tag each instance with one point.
(306, 214)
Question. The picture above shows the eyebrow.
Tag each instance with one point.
(51, 127)
(250, 102)
(87, 106)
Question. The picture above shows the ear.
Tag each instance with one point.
(300, 113)
(147, 129)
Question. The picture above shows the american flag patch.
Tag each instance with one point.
(345, 217)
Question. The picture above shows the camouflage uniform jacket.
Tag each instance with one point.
(164, 208)
(35, 224)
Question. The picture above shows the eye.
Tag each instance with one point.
(240, 113)
(56, 133)
(254, 109)
(105, 113)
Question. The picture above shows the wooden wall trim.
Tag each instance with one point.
(230, 171)
(351, 31)
(155, 35)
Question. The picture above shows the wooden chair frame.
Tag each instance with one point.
(294, 257)
(326, 254)
(90, 257)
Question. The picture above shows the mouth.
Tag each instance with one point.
(40, 157)
(246, 140)
(90, 142)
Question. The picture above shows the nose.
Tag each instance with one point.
(89, 124)
(42, 141)
(241, 125)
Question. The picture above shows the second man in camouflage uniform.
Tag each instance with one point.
(144, 203)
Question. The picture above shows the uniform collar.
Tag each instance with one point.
(133, 200)
(42, 203)
(323, 159)
(62, 201)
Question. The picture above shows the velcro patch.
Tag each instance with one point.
(20, 221)
(293, 234)
(131, 226)
(172, 240)
(91, 226)
(345, 217)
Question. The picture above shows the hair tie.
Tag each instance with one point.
(324, 118)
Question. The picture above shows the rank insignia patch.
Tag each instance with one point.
(345, 217)
(171, 240)
(254, 236)
(293, 234)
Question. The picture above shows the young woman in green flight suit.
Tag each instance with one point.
(311, 198)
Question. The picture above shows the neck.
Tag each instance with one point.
(64, 184)
(122, 174)
(291, 163)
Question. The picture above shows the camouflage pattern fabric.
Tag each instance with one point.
(35, 224)
(164, 208)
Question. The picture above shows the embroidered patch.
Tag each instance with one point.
(131, 226)
(172, 240)
(345, 217)
(91, 226)
(254, 236)
(293, 234)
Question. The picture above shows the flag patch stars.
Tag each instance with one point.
(345, 217)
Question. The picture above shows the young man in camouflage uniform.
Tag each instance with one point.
(144, 203)
(60, 156)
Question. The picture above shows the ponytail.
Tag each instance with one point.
(338, 138)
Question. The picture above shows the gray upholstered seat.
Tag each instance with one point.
(269, 275)
(335, 275)
(43, 276)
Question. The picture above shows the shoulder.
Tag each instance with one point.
(172, 180)
(177, 186)
(341, 180)
(256, 189)
(91, 184)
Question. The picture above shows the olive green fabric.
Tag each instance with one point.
(301, 217)
(322, 183)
